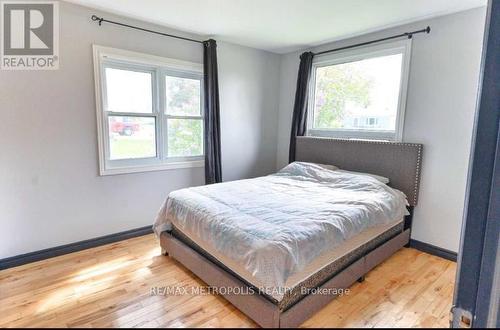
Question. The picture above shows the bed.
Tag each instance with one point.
(282, 246)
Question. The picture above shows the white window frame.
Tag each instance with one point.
(159, 68)
(358, 54)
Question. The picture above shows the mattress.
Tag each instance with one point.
(319, 271)
(274, 227)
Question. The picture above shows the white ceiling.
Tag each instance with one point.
(280, 25)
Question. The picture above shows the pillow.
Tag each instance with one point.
(309, 164)
(316, 170)
(306, 169)
(377, 177)
(325, 166)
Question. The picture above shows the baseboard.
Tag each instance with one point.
(87, 244)
(73, 247)
(434, 250)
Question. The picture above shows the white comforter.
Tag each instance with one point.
(275, 225)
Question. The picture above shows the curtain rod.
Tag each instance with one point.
(100, 20)
(409, 35)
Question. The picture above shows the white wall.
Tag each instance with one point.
(443, 82)
(50, 191)
(249, 83)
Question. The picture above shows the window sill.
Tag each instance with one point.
(151, 168)
(356, 135)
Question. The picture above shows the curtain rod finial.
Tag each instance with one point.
(428, 29)
(97, 18)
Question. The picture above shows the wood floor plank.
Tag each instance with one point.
(112, 286)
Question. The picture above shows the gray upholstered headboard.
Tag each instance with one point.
(400, 162)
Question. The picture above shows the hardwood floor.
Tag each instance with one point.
(110, 286)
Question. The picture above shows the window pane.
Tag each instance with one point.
(185, 137)
(182, 96)
(131, 137)
(128, 91)
(361, 95)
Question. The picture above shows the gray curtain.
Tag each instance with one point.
(213, 168)
(299, 119)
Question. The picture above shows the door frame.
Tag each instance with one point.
(474, 305)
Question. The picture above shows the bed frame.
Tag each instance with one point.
(400, 162)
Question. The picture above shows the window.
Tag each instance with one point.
(149, 112)
(360, 93)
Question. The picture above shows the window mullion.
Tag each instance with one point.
(161, 112)
(157, 111)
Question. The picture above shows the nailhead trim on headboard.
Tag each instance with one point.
(417, 174)
(365, 141)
